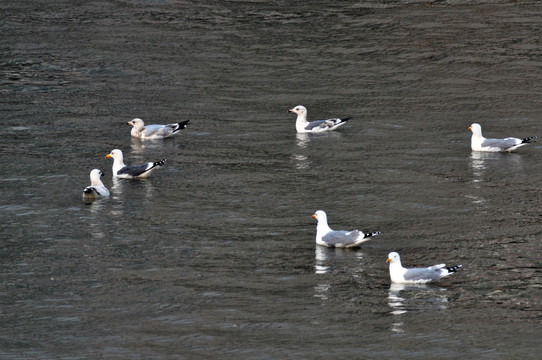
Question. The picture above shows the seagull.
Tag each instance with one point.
(131, 171)
(325, 236)
(303, 126)
(96, 188)
(401, 275)
(154, 131)
(480, 143)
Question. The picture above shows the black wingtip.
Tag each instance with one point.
(346, 119)
(160, 163)
(528, 140)
(372, 234)
(454, 268)
(182, 124)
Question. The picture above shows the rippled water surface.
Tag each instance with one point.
(213, 256)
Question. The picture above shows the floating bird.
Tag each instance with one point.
(325, 236)
(303, 126)
(401, 275)
(96, 188)
(480, 143)
(131, 171)
(154, 131)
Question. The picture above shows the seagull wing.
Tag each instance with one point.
(501, 143)
(342, 238)
(325, 124)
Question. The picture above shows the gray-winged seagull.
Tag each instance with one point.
(304, 126)
(155, 131)
(480, 143)
(325, 236)
(401, 275)
(96, 188)
(131, 171)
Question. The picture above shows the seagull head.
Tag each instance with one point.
(320, 215)
(115, 154)
(95, 175)
(393, 257)
(476, 129)
(137, 123)
(299, 110)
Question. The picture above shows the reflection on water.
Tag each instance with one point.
(416, 297)
(326, 257)
(117, 186)
(140, 189)
(329, 260)
(488, 167)
(137, 145)
(477, 164)
(303, 140)
(485, 165)
(321, 255)
(300, 159)
(96, 205)
(321, 290)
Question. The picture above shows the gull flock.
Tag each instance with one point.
(325, 236)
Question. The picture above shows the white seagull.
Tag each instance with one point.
(154, 131)
(401, 275)
(96, 188)
(303, 126)
(325, 236)
(131, 171)
(480, 143)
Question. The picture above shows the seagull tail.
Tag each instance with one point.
(88, 190)
(182, 125)
(453, 268)
(159, 163)
(528, 140)
(372, 234)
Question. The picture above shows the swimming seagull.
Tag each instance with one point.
(154, 131)
(401, 275)
(96, 188)
(303, 126)
(131, 171)
(325, 236)
(480, 143)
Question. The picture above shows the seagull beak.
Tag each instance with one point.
(107, 156)
(291, 110)
(388, 260)
(128, 123)
(470, 128)
(314, 216)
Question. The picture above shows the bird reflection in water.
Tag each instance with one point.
(143, 189)
(96, 205)
(416, 297)
(324, 257)
(489, 165)
(321, 256)
(300, 159)
(320, 267)
(138, 146)
(303, 140)
(478, 164)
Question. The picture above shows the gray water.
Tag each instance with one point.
(213, 256)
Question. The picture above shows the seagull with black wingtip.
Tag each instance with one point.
(121, 170)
